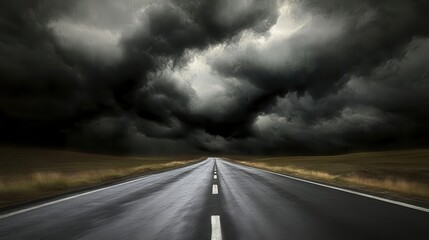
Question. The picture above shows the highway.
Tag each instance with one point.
(215, 199)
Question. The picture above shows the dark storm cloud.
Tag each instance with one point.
(171, 28)
(351, 77)
(35, 82)
(386, 109)
(321, 69)
(48, 89)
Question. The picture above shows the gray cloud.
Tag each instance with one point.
(220, 76)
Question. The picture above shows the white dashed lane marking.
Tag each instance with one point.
(216, 230)
(214, 189)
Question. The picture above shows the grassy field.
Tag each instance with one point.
(403, 174)
(29, 174)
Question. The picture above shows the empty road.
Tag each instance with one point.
(215, 199)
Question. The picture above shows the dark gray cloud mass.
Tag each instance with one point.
(245, 76)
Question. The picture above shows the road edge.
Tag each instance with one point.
(8, 211)
(362, 194)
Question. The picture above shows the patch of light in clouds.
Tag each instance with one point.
(98, 43)
(209, 86)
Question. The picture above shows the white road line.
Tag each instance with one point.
(348, 191)
(214, 189)
(63, 199)
(215, 177)
(216, 230)
(67, 198)
(215, 172)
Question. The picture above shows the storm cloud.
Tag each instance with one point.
(247, 76)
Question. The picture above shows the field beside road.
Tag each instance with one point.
(29, 174)
(399, 174)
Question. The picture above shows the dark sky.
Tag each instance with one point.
(241, 76)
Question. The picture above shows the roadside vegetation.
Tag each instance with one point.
(400, 174)
(29, 174)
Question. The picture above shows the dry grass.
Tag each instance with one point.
(28, 174)
(396, 173)
(392, 184)
(286, 169)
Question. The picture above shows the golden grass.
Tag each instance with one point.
(286, 169)
(56, 172)
(40, 183)
(396, 173)
(392, 184)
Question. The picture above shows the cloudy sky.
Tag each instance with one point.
(219, 76)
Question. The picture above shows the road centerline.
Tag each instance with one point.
(216, 228)
(215, 189)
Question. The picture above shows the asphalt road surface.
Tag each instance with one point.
(215, 199)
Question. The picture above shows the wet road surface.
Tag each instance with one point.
(215, 199)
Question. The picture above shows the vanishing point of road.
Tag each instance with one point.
(216, 199)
